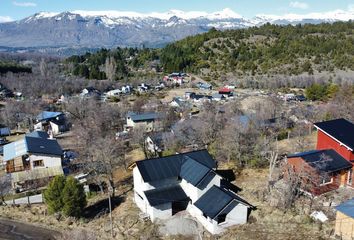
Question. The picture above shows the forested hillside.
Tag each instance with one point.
(258, 51)
(266, 50)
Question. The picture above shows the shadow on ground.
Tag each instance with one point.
(101, 207)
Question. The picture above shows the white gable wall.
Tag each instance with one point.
(48, 161)
(238, 215)
(195, 193)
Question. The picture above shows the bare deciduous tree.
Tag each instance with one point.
(110, 68)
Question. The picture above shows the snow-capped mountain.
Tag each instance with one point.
(114, 28)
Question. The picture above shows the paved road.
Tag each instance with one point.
(33, 199)
(11, 230)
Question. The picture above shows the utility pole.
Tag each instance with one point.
(110, 190)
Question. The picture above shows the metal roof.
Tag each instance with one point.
(206, 180)
(170, 166)
(5, 131)
(43, 146)
(340, 129)
(218, 201)
(165, 195)
(38, 134)
(32, 145)
(192, 171)
(46, 115)
(347, 208)
(15, 149)
(324, 160)
(136, 117)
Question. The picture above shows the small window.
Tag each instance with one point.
(38, 163)
(326, 180)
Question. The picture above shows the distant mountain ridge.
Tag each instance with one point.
(94, 29)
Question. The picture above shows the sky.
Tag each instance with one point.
(19, 9)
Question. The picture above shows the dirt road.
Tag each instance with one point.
(12, 230)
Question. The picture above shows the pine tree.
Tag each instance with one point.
(53, 194)
(74, 198)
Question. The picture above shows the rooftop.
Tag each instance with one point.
(340, 129)
(45, 115)
(170, 166)
(32, 145)
(324, 160)
(165, 195)
(347, 208)
(218, 201)
(136, 117)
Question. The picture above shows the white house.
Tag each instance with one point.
(51, 122)
(142, 120)
(32, 158)
(188, 181)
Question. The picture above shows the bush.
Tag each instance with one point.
(65, 195)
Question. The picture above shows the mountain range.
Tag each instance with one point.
(95, 29)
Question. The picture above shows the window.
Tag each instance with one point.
(350, 177)
(326, 180)
(38, 163)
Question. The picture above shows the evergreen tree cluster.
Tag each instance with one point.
(13, 67)
(92, 65)
(266, 49)
(65, 195)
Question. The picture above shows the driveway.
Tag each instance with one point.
(12, 230)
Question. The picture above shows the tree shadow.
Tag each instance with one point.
(101, 208)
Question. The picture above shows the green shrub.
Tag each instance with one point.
(74, 198)
(53, 194)
(65, 195)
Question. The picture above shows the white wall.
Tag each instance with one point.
(163, 211)
(195, 193)
(49, 161)
(237, 216)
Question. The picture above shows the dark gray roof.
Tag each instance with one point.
(218, 201)
(324, 160)
(340, 129)
(137, 117)
(347, 208)
(170, 166)
(165, 195)
(46, 115)
(43, 146)
(160, 168)
(192, 171)
(206, 180)
(38, 134)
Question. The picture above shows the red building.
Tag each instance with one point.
(331, 164)
(338, 135)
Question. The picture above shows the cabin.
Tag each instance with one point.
(52, 122)
(35, 157)
(344, 223)
(320, 170)
(147, 121)
(330, 166)
(188, 182)
(336, 134)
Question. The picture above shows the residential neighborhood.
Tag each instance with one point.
(176, 120)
